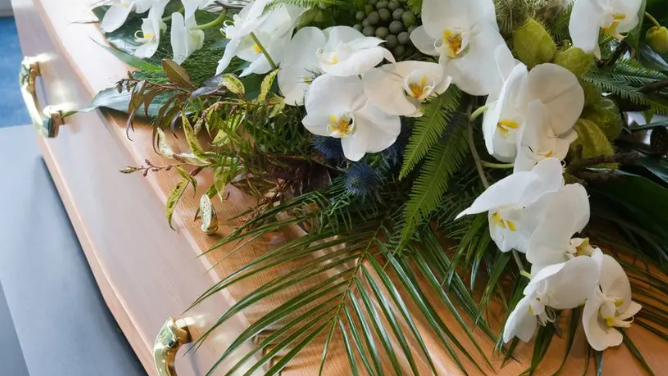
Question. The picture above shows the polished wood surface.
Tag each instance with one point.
(148, 272)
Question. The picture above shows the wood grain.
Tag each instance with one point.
(148, 272)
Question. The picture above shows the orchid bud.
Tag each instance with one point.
(533, 44)
(657, 38)
(592, 140)
(606, 115)
(575, 60)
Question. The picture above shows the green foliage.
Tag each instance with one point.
(442, 162)
(415, 5)
(559, 26)
(626, 81)
(429, 128)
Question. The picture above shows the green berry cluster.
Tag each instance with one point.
(391, 21)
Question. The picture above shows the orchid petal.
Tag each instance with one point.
(375, 131)
(230, 50)
(358, 62)
(385, 88)
(190, 6)
(583, 26)
(614, 282)
(521, 322)
(300, 64)
(425, 43)
(559, 90)
(115, 17)
(321, 104)
(599, 335)
(573, 284)
(475, 71)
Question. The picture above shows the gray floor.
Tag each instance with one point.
(53, 320)
(12, 109)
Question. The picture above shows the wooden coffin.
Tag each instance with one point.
(148, 272)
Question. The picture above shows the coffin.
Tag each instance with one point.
(147, 272)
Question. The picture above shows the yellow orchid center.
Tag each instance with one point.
(454, 42)
(610, 321)
(257, 48)
(584, 249)
(507, 126)
(619, 302)
(341, 127)
(612, 29)
(142, 37)
(504, 224)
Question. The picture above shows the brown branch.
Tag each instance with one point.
(655, 87)
(619, 51)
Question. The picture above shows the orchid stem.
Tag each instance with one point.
(520, 264)
(474, 151)
(213, 23)
(478, 112)
(167, 18)
(264, 51)
(497, 165)
(654, 21)
(524, 273)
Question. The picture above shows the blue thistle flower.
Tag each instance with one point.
(394, 154)
(361, 180)
(329, 147)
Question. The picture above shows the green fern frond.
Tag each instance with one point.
(308, 3)
(442, 162)
(429, 128)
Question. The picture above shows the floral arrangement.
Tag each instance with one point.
(419, 145)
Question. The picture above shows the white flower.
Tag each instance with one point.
(612, 16)
(537, 139)
(337, 107)
(151, 28)
(517, 204)
(300, 64)
(185, 38)
(609, 307)
(560, 286)
(567, 213)
(465, 35)
(273, 30)
(349, 53)
(557, 89)
(400, 88)
(119, 11)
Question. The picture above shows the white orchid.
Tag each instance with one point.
(465, 35)
(567, 213)
(337, 107)
(119, 11)
(190, 6)
(557, 89)
(560, 286)
(349, 53)
(300, 64)
(272, 29)
(400, 88)
(589, 17)
(537, 139)
(609, 307)
(185, 38)
(517, 204)
(151, 28)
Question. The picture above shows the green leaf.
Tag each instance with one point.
(635, 35)
(443, 160)
(130, 60)
(657, 124)
(428, 129)
(657, 166)
(191, 137)
(163, 147)
(191, 179)
(349, 350)
(173, 200)
(208, 214)
(636, 353)
(267, 83)
(542, 343)
(233, 84)
(572, 329)
(176, 74)
(650, 59)
(111, 99)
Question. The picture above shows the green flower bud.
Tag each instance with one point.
(575, 60)
(606, 115)
(592, 94)
(657, 38)
(533, 44)
(592, 141)
(658, 141)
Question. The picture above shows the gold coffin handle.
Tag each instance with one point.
(173, 335)
(49, 120)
